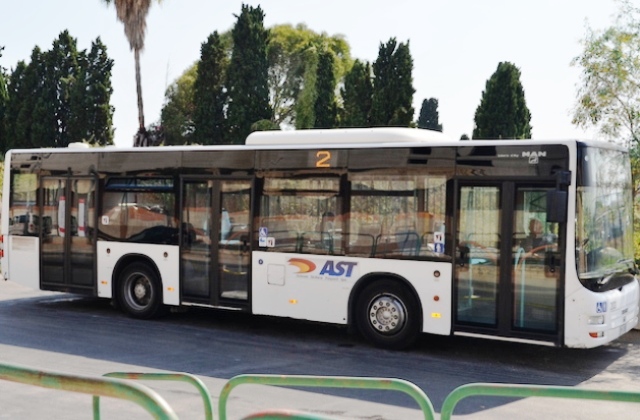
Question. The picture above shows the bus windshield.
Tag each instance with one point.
(604, 228)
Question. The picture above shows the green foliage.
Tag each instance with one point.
(248, 74)
(177, 113)
(61, 96)
(293, 71)
(92, 115)
(286, 54)
(4, 103)
(209, 94)
(62, 67)
(609, 92)
(429, 117)
(393, 86)
(264, 125)
(325, 108)
(356, 96)
(503, 112)
(305, 104)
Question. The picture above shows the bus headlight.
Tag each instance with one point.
(596, 320)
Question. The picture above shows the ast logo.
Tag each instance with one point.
(304, 266)
(330, 268)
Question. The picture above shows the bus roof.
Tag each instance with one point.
(345, 136)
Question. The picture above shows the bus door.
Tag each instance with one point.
(67, 233)
(215, 241)
(508, 261)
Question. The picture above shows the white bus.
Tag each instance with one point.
(392, 231)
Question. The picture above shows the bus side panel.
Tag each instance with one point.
(24, 260)
(317, 287)
(165, 257)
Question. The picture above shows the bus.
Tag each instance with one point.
(391, 232)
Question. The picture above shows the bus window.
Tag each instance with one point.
(139, 210)
(397, 215)
(23, 219)
(292, 214)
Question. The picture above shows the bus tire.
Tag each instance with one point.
(388, 315)
(139, 291)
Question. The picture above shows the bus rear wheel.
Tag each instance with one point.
(388, 315)
(139, 291)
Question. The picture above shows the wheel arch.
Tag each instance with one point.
(127, 260)
(366, 280)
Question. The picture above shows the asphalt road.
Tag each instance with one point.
(86, 336)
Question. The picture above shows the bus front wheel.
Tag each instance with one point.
(388, 315)
(139, 291)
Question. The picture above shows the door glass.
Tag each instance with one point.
(81, 230)
(478, 259)
(54, 205)
(233, 251)
(535, 263)
(195, 243)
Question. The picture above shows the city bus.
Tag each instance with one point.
(392, 232)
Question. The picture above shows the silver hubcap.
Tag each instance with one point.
(387, 314)
(139, 290)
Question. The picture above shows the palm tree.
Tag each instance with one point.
(133, 14)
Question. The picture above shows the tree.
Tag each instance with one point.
(356, 96)
(36, 103)
(293, 70)
(210, 95)
(503, 112)
(91, 114)
(429, 117)
(62, 68)
(393, 86)
(325, 108)
(176, 118)
(247, 79)
(133, 15)
(4, 102)
(609, 90)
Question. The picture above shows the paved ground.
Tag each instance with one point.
(20, 401)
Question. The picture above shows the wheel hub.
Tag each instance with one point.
(140, 290)
(387, 314)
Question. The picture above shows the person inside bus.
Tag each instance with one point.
(536, 237)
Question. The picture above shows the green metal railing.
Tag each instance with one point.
(115, 385)
(327, 382)
(182, 377)
(520, 391)
(106, 387)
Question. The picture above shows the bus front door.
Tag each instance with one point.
(507, 263)
(215, 241)
(67, 234)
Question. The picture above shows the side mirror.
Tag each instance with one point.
(556, 206)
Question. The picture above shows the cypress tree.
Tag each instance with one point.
(503, 112)
(209, 93)
(63, 59)
(325, 107)
(4, 103)
(393, 86)
(98, 98)
(356, 96)
(16, 79)
(429, 117)
(248, 74)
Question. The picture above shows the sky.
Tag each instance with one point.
(456, 46)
